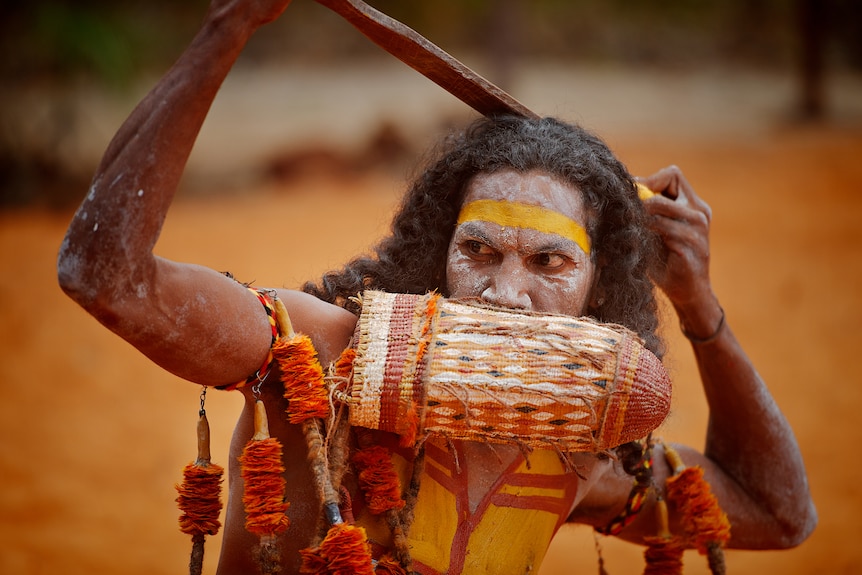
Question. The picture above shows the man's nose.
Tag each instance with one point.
(509, 288)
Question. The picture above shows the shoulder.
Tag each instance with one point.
(329, 326)
(604, 493)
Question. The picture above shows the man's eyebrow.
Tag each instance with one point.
(475, 228)
(527, 216)
(557, 245)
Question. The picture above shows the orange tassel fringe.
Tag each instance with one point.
(389, 566)
(411, 424)
(345, 551)
(344, 365)
(264, 486)
(702, 518)
(198, 497)
(663, 556)
(302, 376)
(664, 551)
(308, 399)
(264, 491)
(378, 480)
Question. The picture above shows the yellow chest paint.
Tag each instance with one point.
(472, 525)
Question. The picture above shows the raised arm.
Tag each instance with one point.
(190, 320)
(751, 457)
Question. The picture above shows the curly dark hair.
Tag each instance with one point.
(413, 258)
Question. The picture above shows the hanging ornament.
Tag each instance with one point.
(345, 548)
(381, 487)
(264, 490)
(199, 494)
(664, 550)
(705, 524)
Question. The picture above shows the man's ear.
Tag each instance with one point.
(597, 293)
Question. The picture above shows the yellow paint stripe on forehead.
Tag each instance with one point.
(517, 215)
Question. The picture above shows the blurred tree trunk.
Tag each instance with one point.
(504, 39)
(812, 22)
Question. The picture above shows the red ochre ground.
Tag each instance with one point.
(94, 437)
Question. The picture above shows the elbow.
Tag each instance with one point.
(795, 530)
(101, 283)
(785, 526)
(800, 522)
(72, 275)
(83, 277)
(791, 528)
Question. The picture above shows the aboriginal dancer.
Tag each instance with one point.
(490, 371)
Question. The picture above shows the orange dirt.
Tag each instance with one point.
(95, 437)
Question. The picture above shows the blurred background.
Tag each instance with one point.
(301, 162)
(71, 69)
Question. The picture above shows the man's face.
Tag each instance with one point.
(516, 245)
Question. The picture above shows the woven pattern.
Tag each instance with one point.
(393, 334)
(487, 374)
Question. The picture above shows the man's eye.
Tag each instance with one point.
(477, 248)
(550, 261)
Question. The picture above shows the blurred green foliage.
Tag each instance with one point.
(56, 46)
(111, 41)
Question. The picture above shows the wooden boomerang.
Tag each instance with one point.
(429, 60)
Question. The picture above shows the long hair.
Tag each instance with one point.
(412, 259)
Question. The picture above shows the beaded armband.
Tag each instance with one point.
(266, 300)
(637, 496)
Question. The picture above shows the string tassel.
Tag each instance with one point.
(705, 524)
(199, 497)
(663, 556)
(664, 550)
(702, 518)
(412, 421)
(389, 566)
(302, 376)
(308, 400)
(264, 491)
(345, 549)
(378, 480)
(382, 489)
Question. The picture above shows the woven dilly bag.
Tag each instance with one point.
(428, 364)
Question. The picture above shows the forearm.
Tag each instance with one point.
(749, 439)
(118, 223)
(192, 321)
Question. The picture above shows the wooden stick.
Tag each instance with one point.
(429, 60)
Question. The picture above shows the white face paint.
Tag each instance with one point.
(521, 267)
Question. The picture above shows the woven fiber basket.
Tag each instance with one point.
(428, 364)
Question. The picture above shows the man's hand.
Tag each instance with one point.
(256, 12)
(681, 219)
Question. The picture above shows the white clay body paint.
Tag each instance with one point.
(521, 267)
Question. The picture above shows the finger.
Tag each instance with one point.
(686, 200)
(680, 237)
(695, 215)
(671, 183)
(664, 182)
(686, 190)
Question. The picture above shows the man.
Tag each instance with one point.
(592, 251)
